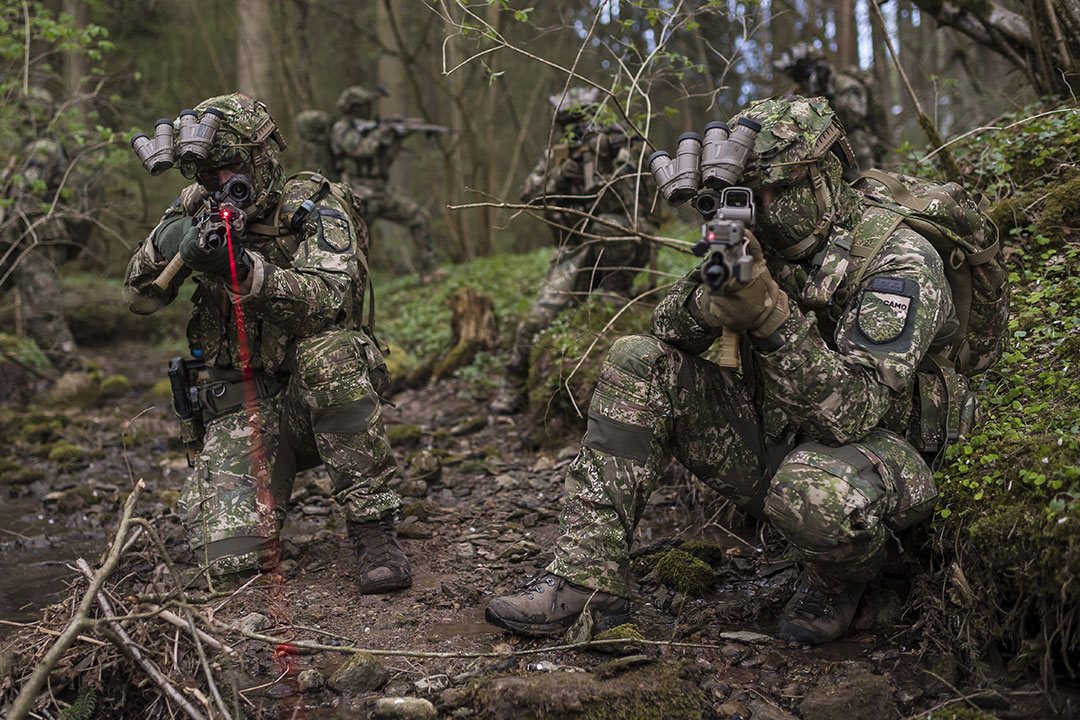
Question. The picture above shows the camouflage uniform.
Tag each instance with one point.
(850, 93)
(313, 127)
(364, 151)
(33, 248)
(810, 435)
(317, 381)
(583, 264)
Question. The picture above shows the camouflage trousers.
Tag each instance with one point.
(604, 268)
(233, 505)
(836, 505)
(384, 202)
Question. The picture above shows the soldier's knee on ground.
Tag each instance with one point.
(828, 502)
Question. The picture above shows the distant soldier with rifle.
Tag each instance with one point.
(852, 97)
(291, 375)
(592, 171)
(860, 312)
(38, 228)
(364, 149)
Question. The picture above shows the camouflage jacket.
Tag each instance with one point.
(559, 177)
(833, 373)
(363, 149)
(302, 283)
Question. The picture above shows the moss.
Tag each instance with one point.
(1008, 213)
(398, 363)
(161, 391)
(41, 431)
(420, 510)
(626, 631)
(170, 499)
(115, 386)
(961, 712)
(705, 550)
(7, 466)
(681, 571)
(64, 452)
(404, 435)
(1061, 209)
(25, 351)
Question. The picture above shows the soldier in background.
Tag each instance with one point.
(364, 149)
(314, 127)
(35, 233)
(594, 171)
(851, 95)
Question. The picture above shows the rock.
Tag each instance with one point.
(858, 696)
(628, 632)
(431, 684)
(280, 690)
(733, 653)
(424, 465)
(414, 530)
(413, 487)
(64, 452)
(315, 510)
(360, 673)
(732, 709)
(879, 612)
(463, 551)
(506, 482)
(611, 668)
(254, 622)
(404, 436)
(310, 681)
(403, 708)
(469, 426)
(77, 390)
(766, 711)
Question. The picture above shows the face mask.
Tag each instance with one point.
(789, 217)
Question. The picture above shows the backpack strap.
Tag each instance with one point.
(899, 191)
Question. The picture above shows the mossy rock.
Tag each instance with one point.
(64, 452)
(681, 571)
(41, 431)
(115, 386)
(1061, 209)
(404, 436)
(420, 510)
(170, 499)
(77, 390)
(161, 391)
(25, 351)
(707, 551)
(398, 363)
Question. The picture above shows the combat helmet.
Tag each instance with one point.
(358, 98)
(799, 156)
(805, 64)
(575, 105)
(313, 125)
(243, 138)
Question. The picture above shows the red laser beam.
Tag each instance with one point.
(277, 600)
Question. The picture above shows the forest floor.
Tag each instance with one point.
(481, 510)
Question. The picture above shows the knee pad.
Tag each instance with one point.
(823, 498)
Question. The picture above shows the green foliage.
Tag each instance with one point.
(1010, 494)
(681, 571)
(83, 707)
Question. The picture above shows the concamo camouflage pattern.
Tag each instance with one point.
(811, 434)
(298, 316)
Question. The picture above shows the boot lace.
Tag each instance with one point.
(815, 603)
(380, 546)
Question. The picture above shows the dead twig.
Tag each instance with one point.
(126, 645)
(30, 689)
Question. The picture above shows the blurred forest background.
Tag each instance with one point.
(487, 68)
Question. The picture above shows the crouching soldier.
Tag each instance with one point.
(280, 265)
(827, 429)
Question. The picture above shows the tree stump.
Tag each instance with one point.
(473, 328)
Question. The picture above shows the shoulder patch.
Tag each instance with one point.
(334, 232)
(885, 309)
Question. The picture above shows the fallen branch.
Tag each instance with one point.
(125, 644)
(30, 689)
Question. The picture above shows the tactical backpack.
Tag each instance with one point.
(966, 239)
(959, 229)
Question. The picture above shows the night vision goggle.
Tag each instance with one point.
(196, 140)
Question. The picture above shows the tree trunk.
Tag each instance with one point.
(75, 66)
(473, 328)
(254, 48)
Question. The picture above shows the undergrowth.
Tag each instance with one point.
(1008, 522)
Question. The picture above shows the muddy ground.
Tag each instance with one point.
(481, 510)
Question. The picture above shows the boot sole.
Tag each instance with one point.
(606, 622)
(383, 587)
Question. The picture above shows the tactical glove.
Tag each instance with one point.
(758, 306)
(171, 233)
(207, 251)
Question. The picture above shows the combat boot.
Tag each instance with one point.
(381, 564)
(816, 617)
(550, 604)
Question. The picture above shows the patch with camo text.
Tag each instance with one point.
(885, 308)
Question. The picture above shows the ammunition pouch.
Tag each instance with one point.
(225, 392)
(946, 408)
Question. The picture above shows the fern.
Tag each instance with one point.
(82, 708)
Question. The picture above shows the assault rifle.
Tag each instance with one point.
(402, 125)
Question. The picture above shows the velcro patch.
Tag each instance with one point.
(883, 316)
